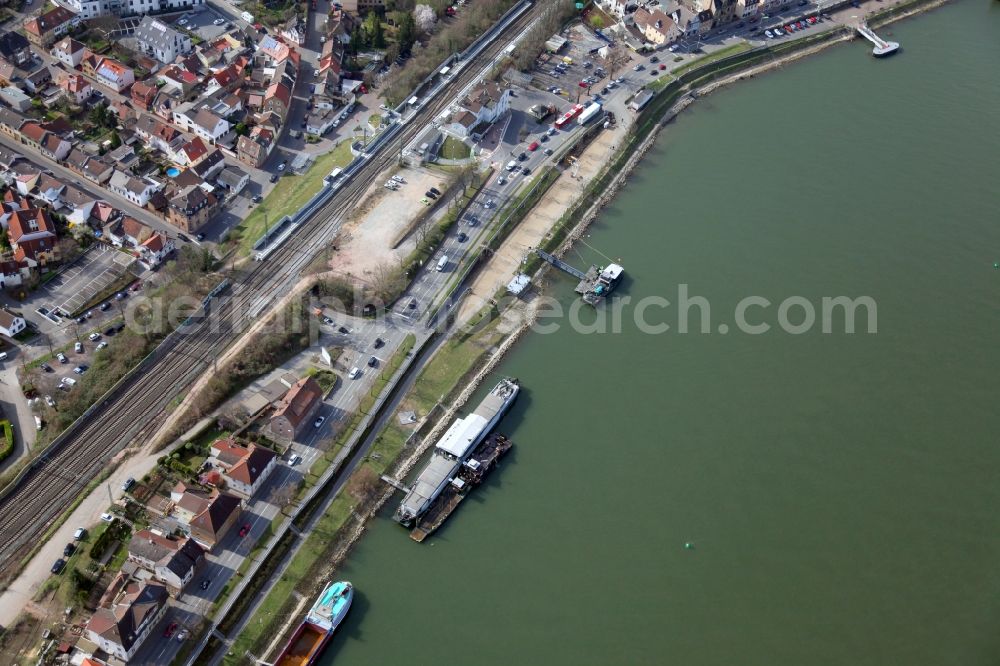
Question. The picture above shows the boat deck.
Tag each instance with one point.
(487, 454)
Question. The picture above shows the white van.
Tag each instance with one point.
(3, 356)
(354, 373)
(442, 262)
(511, 165)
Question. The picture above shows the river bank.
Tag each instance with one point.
(492, 357)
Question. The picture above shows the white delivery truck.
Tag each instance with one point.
(442, 262)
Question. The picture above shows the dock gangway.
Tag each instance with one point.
(561, 265)
(882, 47)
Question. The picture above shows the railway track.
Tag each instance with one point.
(52, 484)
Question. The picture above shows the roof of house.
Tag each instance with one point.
(251, 467)
(158, 35)
(486, 95)
(144, 91)
(33, 131)
(49, 21)
(12, 42)
(68, 45)
(232, 175)
(103, 211)
(177, 555)
(11, 118)
(273, 48)
(299, 400)
(7, 318)
(133, 228)
(111, 69)
(194, 149)
(206, 119)
(208, 164)
(121, 622)
(29, 221)
(218, 510)
(155, 243)
(191, 199)
(280, 92)
(74, 83)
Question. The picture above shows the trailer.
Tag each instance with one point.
(589, 113)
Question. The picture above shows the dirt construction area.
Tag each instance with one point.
(366, 241)
(530, 232)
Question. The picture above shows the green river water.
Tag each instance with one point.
(841, 492)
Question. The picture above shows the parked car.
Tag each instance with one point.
(94, 337)
(68, 550)
(343, 329)
(46, 367)
(107, 517)
(548, 151)
(533, 146)
(62, 357)
(320, 420)
(105, 306)
(436, 191)
(273, 178)
(58, 566)
(102, 345)
(127, 484)
(245, 530)
(257, 198)
(78, 347)
(169, 631)
(372, 362)
(80, 369)
(67, 381)
(462, 237)
(430, 195)
(489, 204)
(327, 321)
(49, 401)
(379, 342)
(79, 534)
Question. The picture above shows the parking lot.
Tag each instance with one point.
(576, 63)
(87, 277)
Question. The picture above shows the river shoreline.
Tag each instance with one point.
(356, 525)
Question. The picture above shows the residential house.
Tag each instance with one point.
(254, 148)
(32, 235)
(179, 79)
(278, 99)
(191, 152)
(272, 51)
(244, 467)
(10, 323)
(172, 561)
(134, 189)
(13, 273)
(50, 190)
(158, 40)
(620, 8)
(203, 122)
(10, 122)
(69, 52)
(228, 79)
(234, 179)
(37, 80)
(487, 102)
(46, 28)
(657, 28)
(46, 142)
(360, 7)
(120, 628)
(76, 88)
(15, 49)
(155, 249)
(191, 208)
(320, 121)
(128, 232)
(89, 9)
(143, 95)
(296, 409)
(114, 74)
(158, 134)
(77, 205)
(210, 165)
(98, 170)
(295, 31)
(685, 19)
(206, 518)
(103, 214)
(15, 98)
